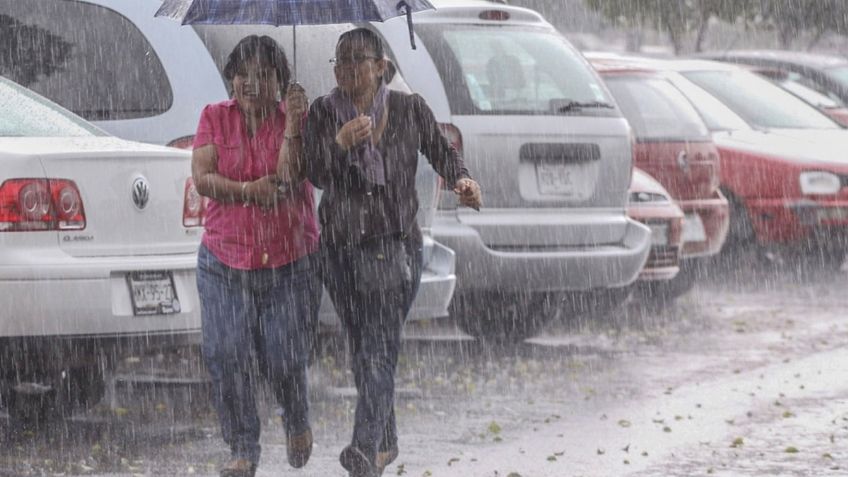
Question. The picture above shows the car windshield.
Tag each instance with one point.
(759, 101)
(25, 114)
(655, 109)
(513, 70)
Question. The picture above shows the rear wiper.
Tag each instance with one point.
(577, 106)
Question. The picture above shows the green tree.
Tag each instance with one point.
(792, 18)
(678, 18)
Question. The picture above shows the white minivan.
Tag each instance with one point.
(536, 126)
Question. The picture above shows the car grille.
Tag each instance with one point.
(663, 256)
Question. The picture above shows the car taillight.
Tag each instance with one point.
(40, 204)
(194, 206)
(185, 142)
(452, 133)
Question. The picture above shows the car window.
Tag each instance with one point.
(85, 57)
(655, 109)
(758, 101)
(715, 114)
(511, 70)
(28, 115)
(793, 84)
(840, 74)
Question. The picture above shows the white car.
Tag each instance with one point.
(96, 248)
(147, 79)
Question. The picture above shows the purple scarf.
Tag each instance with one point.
(366, 157)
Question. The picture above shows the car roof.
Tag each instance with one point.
(812, 60)
(468, 11)
(658, 64)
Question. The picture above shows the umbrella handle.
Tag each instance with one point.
(405, 6)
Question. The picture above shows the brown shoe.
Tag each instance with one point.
(384, 458)
(299, 448)
(238, 468)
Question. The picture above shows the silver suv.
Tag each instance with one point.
(552, 153)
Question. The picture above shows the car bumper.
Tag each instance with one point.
(55, 294)
(481, 269)
(712, 218)
(800, 221)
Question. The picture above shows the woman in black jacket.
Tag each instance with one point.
(361, 147)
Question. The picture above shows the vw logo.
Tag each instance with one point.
(140, 192)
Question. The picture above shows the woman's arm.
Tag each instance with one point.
(207, 181)
(290, 161)
(323, 158)
(442, 155)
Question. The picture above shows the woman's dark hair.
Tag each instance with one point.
(366, 37)
(267, 50)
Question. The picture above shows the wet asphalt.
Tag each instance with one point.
(744, 376)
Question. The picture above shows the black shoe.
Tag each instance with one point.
(299, 448)
(238, 468)
(357, 464)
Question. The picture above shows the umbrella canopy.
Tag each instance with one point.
(290, 12)
(287, 12)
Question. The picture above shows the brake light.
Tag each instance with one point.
(494, 15)
(185, 142)
(40, 205)
(454, 136)
(194, 206)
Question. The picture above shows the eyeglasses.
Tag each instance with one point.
(355, 59)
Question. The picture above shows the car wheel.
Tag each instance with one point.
(665, 292)
(32, 404)
(504, 319)
(741, 231)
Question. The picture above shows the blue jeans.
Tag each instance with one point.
(257, 322)
(373, 322)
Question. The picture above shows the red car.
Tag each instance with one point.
(652, 205)
(784, 167)
(674, 146)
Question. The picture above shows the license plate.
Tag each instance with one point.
(693, 229)
(554, 179)
(659, 234)
(153, 293)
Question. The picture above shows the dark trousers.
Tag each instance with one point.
(257, 322)
(373, 322)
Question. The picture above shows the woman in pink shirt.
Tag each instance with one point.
(256, 276)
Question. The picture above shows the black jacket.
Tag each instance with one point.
(353, 210)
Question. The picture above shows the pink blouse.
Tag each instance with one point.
(250, 237)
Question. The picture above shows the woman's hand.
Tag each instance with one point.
(469, 193)
(354, 132)
(263, 192)
(296, 105)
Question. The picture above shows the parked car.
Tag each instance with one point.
(552, 152)
(792, 82)
(535, 124)
(782, 167)
(158, 76)
(825, 74)
(673, 145)
(96, 255)
(651, 204)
